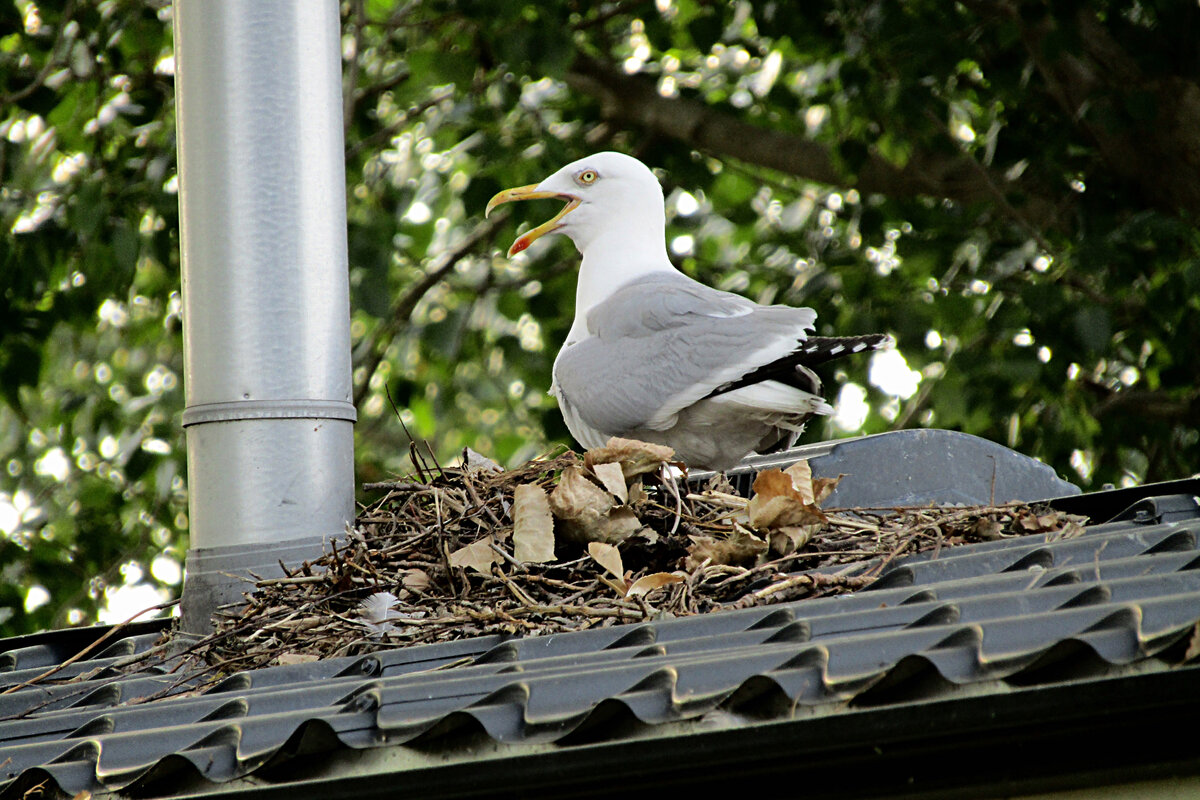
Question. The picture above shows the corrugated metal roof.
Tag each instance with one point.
(990, 618)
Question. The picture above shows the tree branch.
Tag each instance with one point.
(52, 60)
(358, 10)
(388, 131)
(1097, 83)
(633, 100)
(1173, 407)
(377, 344)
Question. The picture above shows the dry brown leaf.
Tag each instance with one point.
(613, 478)
(802, 480)
(987, 528)
(1050, 520)
(415, 579)
(778, 511)
(648, 535)
(613, 528)
(577, 498)
(739, 549)
(478, 556)
(648, 583)
(1072, 529)
(1066, 526)
(634, 457)
(589, 513)
(283, 659)
(813, 491)
(774, 482)
(608, 557)
(786, 541)
(1031, 522)
(618, 525)
(823, 487)
(778, 504)
(533, 525)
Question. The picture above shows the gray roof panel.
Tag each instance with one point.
(996, 616)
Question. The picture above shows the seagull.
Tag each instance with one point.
(656, 356)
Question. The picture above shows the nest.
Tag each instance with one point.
(569, 543)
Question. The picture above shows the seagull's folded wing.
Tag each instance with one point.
(662, 343)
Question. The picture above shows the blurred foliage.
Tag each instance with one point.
(1008, 186)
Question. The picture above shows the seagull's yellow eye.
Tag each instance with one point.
(586, 177)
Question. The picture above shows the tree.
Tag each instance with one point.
(1009, 186)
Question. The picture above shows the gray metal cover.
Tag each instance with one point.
(916, 467)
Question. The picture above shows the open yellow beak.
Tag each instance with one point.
(531, 193)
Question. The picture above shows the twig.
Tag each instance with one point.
(109, 634)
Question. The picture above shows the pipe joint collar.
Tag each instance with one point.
(239, 410)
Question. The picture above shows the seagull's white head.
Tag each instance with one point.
(606, 194)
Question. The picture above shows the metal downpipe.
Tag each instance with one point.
(269, 418)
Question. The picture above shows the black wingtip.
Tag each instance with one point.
(819, 349)
(793, 370)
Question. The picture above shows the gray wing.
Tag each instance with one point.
(662, 343)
